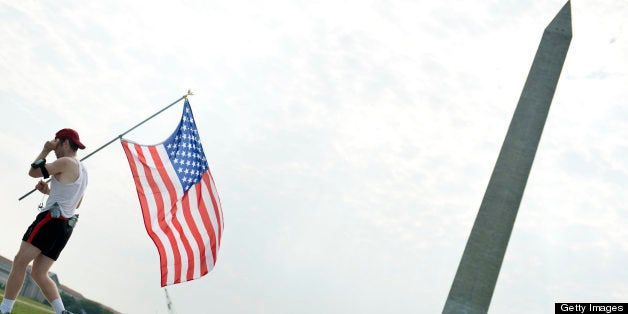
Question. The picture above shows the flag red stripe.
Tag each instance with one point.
(216, 202)
(209, 227)
(185, 206)
(206, 220)
(213, 186)
(217, 210)
(161, 216)
(146, 215)
(173, 212)
(195, 232)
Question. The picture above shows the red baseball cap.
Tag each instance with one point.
(71, 135)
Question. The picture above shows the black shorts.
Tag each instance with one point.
(48, 234)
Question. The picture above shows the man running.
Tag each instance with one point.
(48, 234)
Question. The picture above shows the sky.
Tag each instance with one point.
(351, 143)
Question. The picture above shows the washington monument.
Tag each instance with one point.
(475, 280)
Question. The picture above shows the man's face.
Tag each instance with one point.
(59, 148)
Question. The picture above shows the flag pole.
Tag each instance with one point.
(169, 302)
(189, 93)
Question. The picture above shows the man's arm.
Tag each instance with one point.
(53, 168)
(43, 187)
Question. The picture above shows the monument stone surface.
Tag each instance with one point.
(474, 283)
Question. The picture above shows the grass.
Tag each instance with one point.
(28, 306)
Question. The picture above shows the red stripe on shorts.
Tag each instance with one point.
(38, 226)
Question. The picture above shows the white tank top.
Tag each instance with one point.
(67, 195)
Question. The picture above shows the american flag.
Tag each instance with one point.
(179, 201)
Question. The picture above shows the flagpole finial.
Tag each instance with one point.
(189, 93)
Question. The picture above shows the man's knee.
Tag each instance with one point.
(25, 255)
(38, 274)
(21, 260)
(40, 268)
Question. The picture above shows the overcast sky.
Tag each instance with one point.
(351, 143)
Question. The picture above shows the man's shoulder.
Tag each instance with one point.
(68, 169)
(67, 163)
(68, 160)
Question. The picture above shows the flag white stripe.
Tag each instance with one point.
(165, 198)
(207, 233)
(213, 187)
(187, 233)
(184, 234)
(181, 217)
(211, 212)
(189, 236)
(152, 211)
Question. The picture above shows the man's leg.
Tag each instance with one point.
(39, 272)
(24, 256)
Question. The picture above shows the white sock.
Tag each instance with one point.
(57, 304)
(6, 306)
